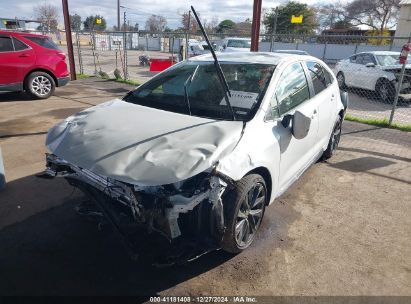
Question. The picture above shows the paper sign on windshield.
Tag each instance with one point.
(241, 99)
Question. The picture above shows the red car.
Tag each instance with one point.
(31, 63)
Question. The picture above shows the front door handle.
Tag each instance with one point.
(314, 114)
(23, 55)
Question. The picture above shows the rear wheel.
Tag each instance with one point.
(386, 91)
(334, 140)
(341, 80)
(244, 208)
(40, 85)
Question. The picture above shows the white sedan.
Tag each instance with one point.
(178, 158)
(376, 71)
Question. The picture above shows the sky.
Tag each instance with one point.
(138, 10)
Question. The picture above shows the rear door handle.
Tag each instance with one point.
(332, 96)
(314, 114)
(23, 55)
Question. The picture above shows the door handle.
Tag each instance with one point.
(23, 55)
(332, 96)
(314, 114)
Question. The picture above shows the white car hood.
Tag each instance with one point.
(141, 145)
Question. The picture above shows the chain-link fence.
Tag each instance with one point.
(367, 67)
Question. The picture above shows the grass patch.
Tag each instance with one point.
(130, 82)
(379, 123)
(82, 76)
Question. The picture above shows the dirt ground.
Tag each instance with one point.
(343, 229)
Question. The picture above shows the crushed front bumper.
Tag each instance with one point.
(179, 213)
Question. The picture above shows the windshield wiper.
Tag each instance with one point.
(220, 73)
(186, 83)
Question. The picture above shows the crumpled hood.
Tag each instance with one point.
(142, 145)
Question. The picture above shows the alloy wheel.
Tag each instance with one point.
(41, 85)
(250, 215)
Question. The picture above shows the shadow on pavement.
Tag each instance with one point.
(14, 96)
(53, 251)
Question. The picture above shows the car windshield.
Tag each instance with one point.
(387, 60)
(166, 91)
(44, 42)
(238, 43)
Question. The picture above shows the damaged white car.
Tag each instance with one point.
(194, 155)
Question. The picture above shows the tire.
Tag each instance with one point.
(341, 80)
(241, 220)
(334, 140)
(385, 91)
(40, 85)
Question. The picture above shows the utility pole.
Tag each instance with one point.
(118, 15)
(274, 28)
(125, 47)
(255, 27)
(69, 39)
(187, 34)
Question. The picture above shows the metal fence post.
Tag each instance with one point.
(325, 50)
(80, 59)
(397, 91)
(125, 55)
(2, 173)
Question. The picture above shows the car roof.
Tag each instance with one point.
(237, 38)
(379, 53)
(251, 57)
(17, 33)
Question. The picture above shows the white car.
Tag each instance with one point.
(377, 71)
(177, 157)
(233, 44)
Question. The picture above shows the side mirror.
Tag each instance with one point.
(370, 65)
(301, 125)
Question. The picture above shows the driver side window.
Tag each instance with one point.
(292, 88)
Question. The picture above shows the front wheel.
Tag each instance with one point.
(386, 91)
(244, 208)
(341, 80)
(40, 85)
(334, 140)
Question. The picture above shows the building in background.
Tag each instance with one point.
(404, 22)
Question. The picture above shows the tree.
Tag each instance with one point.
(75, 22)
(156, 23)
(242, 28)
(211, 26)
(225, 26)
(47, 14)
(331, 16)
(284, 24)
(193, 23)
(377, 14)
(90, 24)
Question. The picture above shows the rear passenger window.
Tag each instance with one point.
(5, 44)
(292, 89)
(317, 76)
(18, 45)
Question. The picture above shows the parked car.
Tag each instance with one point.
(233, 44)
(31, 63)
(295, 52)
(178, 158)
(377, 71)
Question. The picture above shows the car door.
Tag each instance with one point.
(292, 93)
(363, 74)
(351, 71)
(323, 97)
(16, 58)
